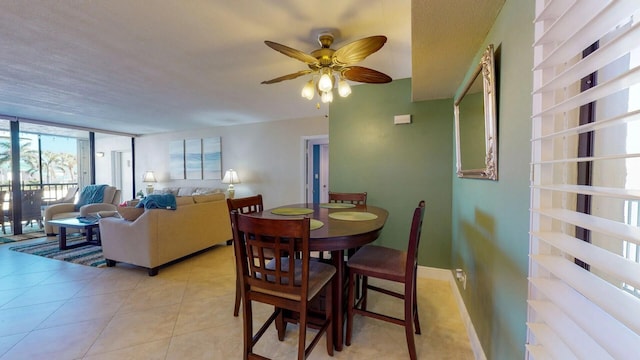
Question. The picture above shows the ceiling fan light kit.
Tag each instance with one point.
(326, 64)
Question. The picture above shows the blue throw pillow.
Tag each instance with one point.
(158, 201)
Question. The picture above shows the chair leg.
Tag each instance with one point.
(416, 318)
(350, 305)
(281, 326)
(365, 284)
(247, 329)
(328, 317)
(302, 332)
(236, 307)
(409, 317)
(408, 330)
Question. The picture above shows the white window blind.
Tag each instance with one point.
(591, 311)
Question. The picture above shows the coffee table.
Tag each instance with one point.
(74, 223)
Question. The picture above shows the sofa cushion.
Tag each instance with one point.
(168, 190)
(209, 197)
(184, 200)
(130, 213)
(185, 191)
(206, 191)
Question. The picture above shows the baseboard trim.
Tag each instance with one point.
(447, 275)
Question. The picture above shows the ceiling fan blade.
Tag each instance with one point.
(365, 75)
(358, 50)
(291, 52)
(287, 77)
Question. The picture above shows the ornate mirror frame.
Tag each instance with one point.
(473, 161)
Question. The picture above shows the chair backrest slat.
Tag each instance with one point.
(246, 205)
(349, 198)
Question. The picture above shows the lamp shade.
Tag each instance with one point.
(326, 82)
(149, 177)
(343, 88)
(308, 90)
(231, 177)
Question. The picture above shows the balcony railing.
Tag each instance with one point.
(50, 191)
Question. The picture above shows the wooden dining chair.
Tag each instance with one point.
(289, 281)
(349, 198)
(243, 205)
(373, 261)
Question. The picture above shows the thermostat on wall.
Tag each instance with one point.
(402, 119)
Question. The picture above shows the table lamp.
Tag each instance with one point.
(149, 178)
(231, 177)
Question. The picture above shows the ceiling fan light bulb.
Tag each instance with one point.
(308, 90)
(343, 88)
(325, 84)
(326, 97)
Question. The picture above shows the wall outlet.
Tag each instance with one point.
(461, 276)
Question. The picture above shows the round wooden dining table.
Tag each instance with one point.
(342, 228)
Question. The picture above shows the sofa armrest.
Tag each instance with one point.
(133, 242)
(50, 211)
(92, 209)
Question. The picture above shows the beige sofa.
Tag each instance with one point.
(110, 200)
(160, 236)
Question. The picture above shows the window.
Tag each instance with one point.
(592, 312)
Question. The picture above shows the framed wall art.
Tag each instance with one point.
(176, 160)
(193, 159)
(211, 159)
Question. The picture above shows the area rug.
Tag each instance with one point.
(21, 237)
(89, 255)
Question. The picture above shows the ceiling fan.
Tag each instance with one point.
(325, 61)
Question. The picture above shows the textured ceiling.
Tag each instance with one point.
(144, 67)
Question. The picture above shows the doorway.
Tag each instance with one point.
(122, 170)
(317, 169)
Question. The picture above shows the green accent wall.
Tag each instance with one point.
(397, 165)
(491, 219)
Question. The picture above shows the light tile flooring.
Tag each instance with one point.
(57, 310)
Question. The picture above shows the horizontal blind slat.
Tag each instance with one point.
(552, 343)
(589, 158)
(607, 53)
(604, 226)
(571, 334)
(590, 22)
(599, 124)
(573, 18)
(613, 264)
(619, 193)
(614, 336)
(538, 352)
(602, 90)
(613, 300)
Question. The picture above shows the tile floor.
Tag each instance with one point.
(57, 310)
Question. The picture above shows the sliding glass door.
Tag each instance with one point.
(49, 164)
(53, 162)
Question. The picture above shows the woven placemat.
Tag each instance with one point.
(291, 211)
(315, 224)
(353, 216)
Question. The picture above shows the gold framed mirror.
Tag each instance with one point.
(475, 123)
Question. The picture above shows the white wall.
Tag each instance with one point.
(268, 157)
